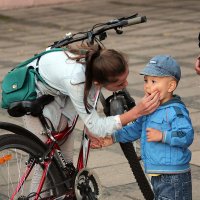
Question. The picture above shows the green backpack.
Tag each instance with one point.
(19, 83)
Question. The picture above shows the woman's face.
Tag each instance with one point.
(119, 84)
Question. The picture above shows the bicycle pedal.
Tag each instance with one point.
(60, 198)
(22, 198)
(70, 195)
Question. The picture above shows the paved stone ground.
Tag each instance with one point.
(172, 28)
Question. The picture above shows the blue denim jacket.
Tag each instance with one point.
(172, 154)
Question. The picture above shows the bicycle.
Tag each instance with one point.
(22, 150)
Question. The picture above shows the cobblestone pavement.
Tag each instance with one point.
(172, 28)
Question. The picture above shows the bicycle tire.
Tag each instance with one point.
(134, 162)
(19, 148)
(116, 106)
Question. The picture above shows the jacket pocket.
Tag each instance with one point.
(155, 153)
(159, 122)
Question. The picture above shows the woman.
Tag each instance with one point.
(75, 78)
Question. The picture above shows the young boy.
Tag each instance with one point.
(165, 134)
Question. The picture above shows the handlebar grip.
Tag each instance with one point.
(136, 20)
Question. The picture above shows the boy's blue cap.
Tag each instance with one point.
(162, 65)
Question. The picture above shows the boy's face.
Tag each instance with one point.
(165, 86)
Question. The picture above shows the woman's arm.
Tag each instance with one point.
(147, 105)
(99, 126)
(103, 126)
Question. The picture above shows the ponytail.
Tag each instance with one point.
(91, 56)
(104, 66)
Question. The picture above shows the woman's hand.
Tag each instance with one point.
(96, 143)
(147, 105)
(197, 65)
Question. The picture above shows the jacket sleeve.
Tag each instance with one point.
(129, 133)
(181, 133)
(100, 126)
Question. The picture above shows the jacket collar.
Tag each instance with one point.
(174, 99)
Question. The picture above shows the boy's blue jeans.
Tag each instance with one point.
(172, 186)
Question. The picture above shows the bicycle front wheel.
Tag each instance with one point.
(16, 153)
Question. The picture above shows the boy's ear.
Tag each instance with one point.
(172, 86)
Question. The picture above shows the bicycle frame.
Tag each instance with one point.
(24, 177)
(53, 147)
(84, 150)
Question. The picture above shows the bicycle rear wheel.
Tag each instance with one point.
(15, 152)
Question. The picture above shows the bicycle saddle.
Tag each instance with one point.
(34, 108)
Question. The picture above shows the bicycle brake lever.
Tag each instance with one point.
(118, 31)
(90, 38)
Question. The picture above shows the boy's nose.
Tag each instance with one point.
(147, 87)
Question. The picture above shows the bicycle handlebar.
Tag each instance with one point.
(100, 30)
(136, 20)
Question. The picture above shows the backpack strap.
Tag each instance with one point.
(38, 76)
(38, 56)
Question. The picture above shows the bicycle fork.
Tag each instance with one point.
(23, 178)
(84, 151)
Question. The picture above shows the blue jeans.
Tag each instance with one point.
(172, 186)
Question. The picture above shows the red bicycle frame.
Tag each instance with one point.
(58, 137)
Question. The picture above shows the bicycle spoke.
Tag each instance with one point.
(11, 171)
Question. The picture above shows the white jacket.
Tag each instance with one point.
(66, 78)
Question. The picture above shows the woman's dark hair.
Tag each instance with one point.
(103, 66)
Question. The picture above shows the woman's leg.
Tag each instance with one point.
(67, 147)
(34, 125)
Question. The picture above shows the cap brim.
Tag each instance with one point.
(151, 71)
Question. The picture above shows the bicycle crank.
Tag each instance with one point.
(87, 185)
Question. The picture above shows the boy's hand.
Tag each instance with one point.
(97, 143)
(107, 141)
(154, 135)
